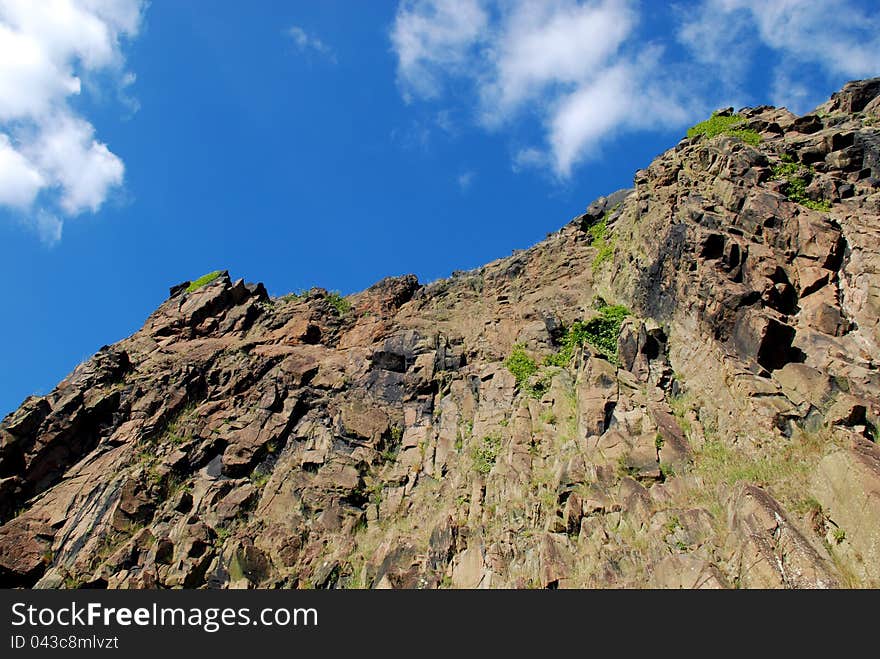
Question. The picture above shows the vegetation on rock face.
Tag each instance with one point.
(600, 239)
(260, 476)
(574, 338)
(334, 298)
(203, 280)
(604, 246)
(295, 297)
(521, 365)
(486, 453)
(797, 178)
(721, 124)
(175, 431)
(784, 468)
(339, 303)
(601, 333)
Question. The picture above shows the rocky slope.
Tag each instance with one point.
(679, 388)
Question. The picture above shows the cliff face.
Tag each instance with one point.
(678, 388)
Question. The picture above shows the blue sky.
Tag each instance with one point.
(333, 143)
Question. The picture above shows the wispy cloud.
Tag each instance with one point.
(445, 122)
(415, 135)
(52, 167)
(560, 60)
(589, 71)
(466, 179)
(434, 39)
(309, 42)
(20, 180)
(837, 36)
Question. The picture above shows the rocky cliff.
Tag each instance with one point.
(679, 388)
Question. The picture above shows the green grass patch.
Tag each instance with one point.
(783, 465)
(599, 230)
(601, 333)
(523, 368)
(602, 241)
(681, 405)
(822, 205)
(203, 280)
(600, 237)
(339, 303)
(486, 453)
(521, 365)
(375, 493)
(295, 297)
(605, 250)
(177, 429)
(222, 534)
(723, 464)
(548, 417)
(260, 476)
(575, 337)
(797, 178)
(725, 125)
(539, 387)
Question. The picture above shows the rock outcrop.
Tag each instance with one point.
(679, 388)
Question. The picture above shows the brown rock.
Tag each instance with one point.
(804, 384)
(362, 420)
(763, 339)
(770, 551)
(847, 484)
(683, 571)
(25, 551)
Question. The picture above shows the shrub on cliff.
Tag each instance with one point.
(725, 124)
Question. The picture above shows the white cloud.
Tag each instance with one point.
(20, 181)
(445, 122)
(416, 135)
(305, 41)
(433, 39)
(584, 117)
(51, 164)
(82, 168)
(791, 91)
(834, 36)
(530, 158)
(568, 63)
(725, 51)
(591, 70)
(466, 179)
(630, 96)
(552, 43)
(48, 227)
